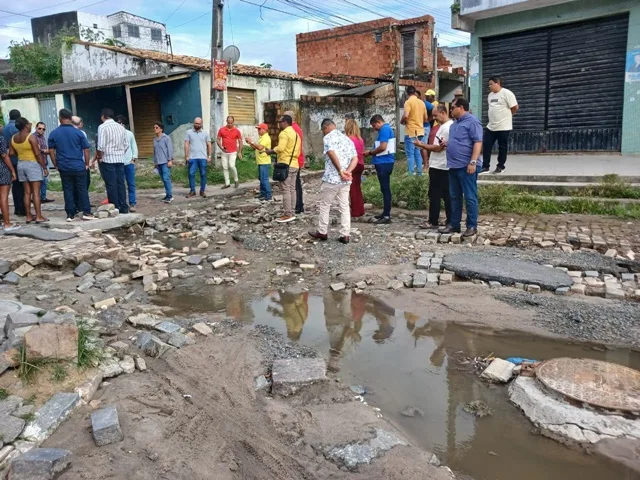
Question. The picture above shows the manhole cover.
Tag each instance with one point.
(601, 384)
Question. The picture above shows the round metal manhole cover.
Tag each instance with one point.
(601, 384)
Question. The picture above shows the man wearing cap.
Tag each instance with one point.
(263, 160)
(414, 119)
(299, 199)
(197, 152)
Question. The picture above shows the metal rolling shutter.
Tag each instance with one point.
(242, 106)
(569, 81)
(146, 111)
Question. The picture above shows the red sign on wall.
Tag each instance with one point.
(220, 75)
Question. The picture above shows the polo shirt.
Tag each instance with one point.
(198, 140)
(9, 131)
(464, 132)
(385, 134)
(69, 144)
(415, 110)
(288, 148)
(229, 138)
(262, 157)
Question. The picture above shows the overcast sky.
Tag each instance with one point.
(262, 35)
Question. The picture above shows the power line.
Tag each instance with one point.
(233, 41)
(286, 13)
(177, 8)
(41, 8)
(193, 20)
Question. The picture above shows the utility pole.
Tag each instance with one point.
(217, 96)
(396, 89)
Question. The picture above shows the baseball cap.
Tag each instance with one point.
(430, 92)
(264, 126)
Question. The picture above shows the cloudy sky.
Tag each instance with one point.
(262, 34)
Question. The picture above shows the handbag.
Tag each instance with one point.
(281, 169)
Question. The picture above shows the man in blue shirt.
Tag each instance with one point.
(384, 156)
(463, 153)
(17, 189)
(69, 150)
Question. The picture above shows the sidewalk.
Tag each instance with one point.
(573, 166)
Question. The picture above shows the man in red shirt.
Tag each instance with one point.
(299, 201)
(230, 142)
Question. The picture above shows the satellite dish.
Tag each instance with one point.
(231, 54)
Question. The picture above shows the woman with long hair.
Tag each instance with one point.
(7, 177)
(31, 167)
(352, 130)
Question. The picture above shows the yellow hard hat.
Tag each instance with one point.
(430, 92)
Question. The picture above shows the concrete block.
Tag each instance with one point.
(23, 270)
(499, 371)
(179, 340)
(40, 464)
(127, 364)
(423, 263)
(336, 287)
(52, 341)
(203, 329)
(82, 269)
(167, 327)
(533, 288)
(10, 427)
(150, 344)
(289, 375)
(89, 388)
(50, 415)
(432, 279)
(419, 279)
(562, 291)
(579, 289)
(106, 426)
(446, 278)
(223, 262)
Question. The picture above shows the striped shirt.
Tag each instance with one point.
(112, 142)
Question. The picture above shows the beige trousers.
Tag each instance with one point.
(229, 163)
(289, 192)
(328, 193)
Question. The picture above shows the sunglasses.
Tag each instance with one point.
(42, 129)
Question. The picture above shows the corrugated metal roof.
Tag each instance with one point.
(93, 85)
(359, 91)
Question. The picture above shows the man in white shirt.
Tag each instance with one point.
(438, 171)
(130, 158)
(502, 107)
(112, 147)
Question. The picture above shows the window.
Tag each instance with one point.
(156, 34)
(117, 31)
(242, 106)
(409, 52)
(378, 37)
(95, 25)
(133, 31)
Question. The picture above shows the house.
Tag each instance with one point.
(150, 86)
(570, 64)
(371, 50)
(120, 28)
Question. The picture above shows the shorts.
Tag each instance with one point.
(5, 174)
(30, 172)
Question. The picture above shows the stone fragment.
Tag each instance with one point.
(456, 238)
(446, 278)
(11, 278)
(179, 340)
(141, 273)
(203, 329)
(17, 320)
(336, 287)
(10, 427)
(82, 269)
(106, 426)
(499, 371)
(89, 388)
(494, 284)
(52, 341)
(195, 260)
(140, 363)
(612, 252)
(579, 289)
(103, 264)
(262, 383)
(127, 364)
(562, 291)
(614, 293)
(307, 266)
(143, 320)
(289, 375)
(167, 327)
(534, 288)
(150, 344)
(223, 262)
(50, 415)
(5, 451)
(362, 453)
(10, 405)
(591, 274)
(419, 279)
(40, 464)
(106, 303)
(110, 368)
(423, 263)
(432, 279)
(23, 270)
(628, 277)
(24, 410)
(395, 285)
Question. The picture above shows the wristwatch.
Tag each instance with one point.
(473, 162)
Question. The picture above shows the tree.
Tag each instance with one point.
(265, 65)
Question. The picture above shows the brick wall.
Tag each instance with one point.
(369, 49)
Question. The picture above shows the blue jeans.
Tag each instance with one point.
(130, 177)
(76, 194)
(414, 157)
(165, 175)
(384, 171)
(43, 188)
(113, 176)
(197, 164)
(265, 185)
(461, 184)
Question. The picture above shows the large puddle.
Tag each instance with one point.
(406, 360)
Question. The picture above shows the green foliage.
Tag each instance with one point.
(27, 369)
(31, 400)
(3, 394)
(265, 65)
(89, 355)
(112, 42)
(59, 373)
(28, 417)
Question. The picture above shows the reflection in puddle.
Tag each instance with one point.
(408, 360)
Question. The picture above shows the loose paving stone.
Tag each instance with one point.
(494, 284)
(432, 279)
(203, 329)
(10, 427)
(52, 341)
(533, 288)
(562, 291)
(195, 260)
(111, 368)
(106, 426)
(507, 271)
(23, 270)
(143, 320)
(423, 263)
(446, 279)
(395, 285)
(11, 279)
(614, 293)
(5, 267)
(89, 388)
(628, 277)
(291, 374)
(150, 344)
(40, 233)
(103, 264)
(40, 464)
(336, 287)
(591, 274)
(109, 302)
(20, 320)
(167, 327)
(128, 365)
(223, 262)
(362, 453)
(179, 340)
(140, 363)
(579, 289)
(50, 415)
(82, 269)
(419, 279)
(499, 371)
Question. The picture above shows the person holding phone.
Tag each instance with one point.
(414, 118)
(438, 171)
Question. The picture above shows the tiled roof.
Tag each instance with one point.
(204, 64)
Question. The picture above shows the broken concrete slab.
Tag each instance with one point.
(110, 368)
(564, 422)
(179, 340)
(104, 224)
(291, 374)
(10, 404)
(362, 453)
(41, 233)
(89, 388)
(507, 271)
(50, 415)
(106, 426)
(143, 320)
(20, 319)
(24, 270)
(11, 279)
(336, 287)
(620, 451)
(127, 364)
(150, 344)
(203, 329)
(167, 327)
(52, 341)
(40, 464)
(499, 371)
(10, 427)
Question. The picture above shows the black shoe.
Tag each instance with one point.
(498, 170)
(344, 240)
(449, 229)
(383, 221)
(47, 200)
(298, 212)
(484, 170)
(470, 232)
(378, 217)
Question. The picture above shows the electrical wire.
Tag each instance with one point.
(233, 41)
(285, 13)
(193, 19)
(177, 8)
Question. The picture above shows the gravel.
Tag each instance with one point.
(274, 345)
(617, 322)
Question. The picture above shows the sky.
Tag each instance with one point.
(261, 34)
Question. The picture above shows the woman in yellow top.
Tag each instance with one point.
(31, 167)
(263, 160)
